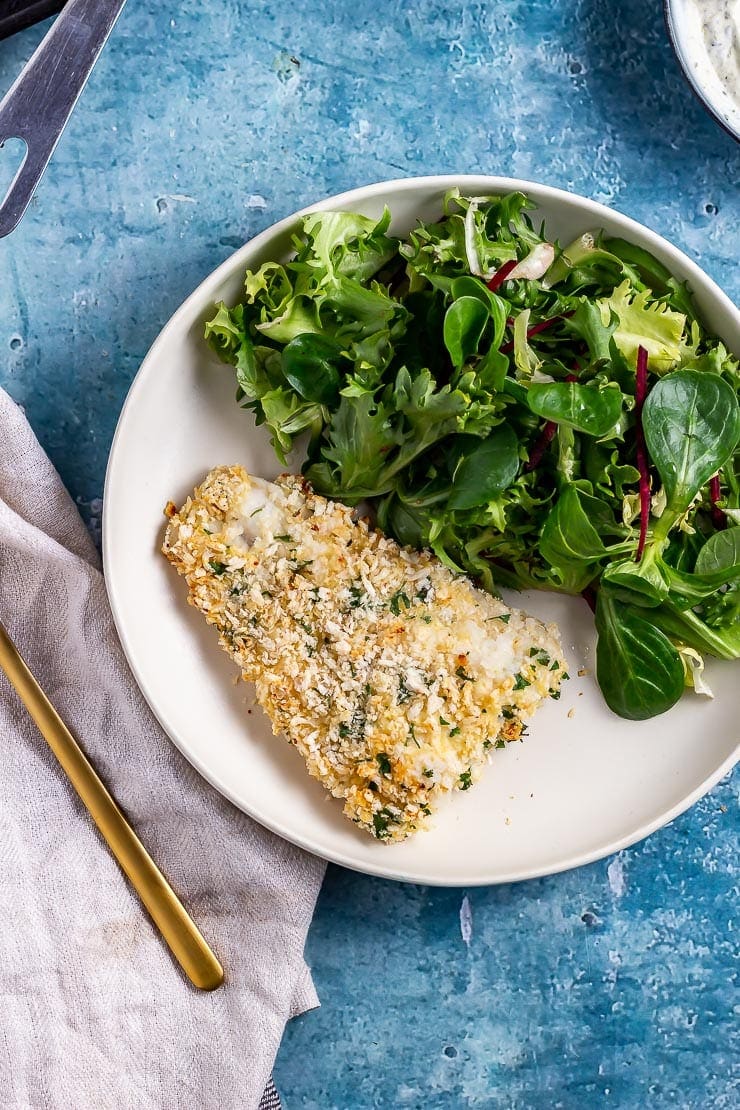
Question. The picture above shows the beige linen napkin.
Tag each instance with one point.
(94, 1013)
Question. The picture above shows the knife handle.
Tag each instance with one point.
(40, 101)
(164, 907)
(16, 15)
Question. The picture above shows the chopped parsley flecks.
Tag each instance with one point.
(508, 713)
(356, 596)
(404, 693)
(217, 567)
(381, 820)
(399, 599)
(466, 780)
(454, 731)
(428, 773)
(384, 763)
(463, 675)
(520, 682)
(359, 723)
(500, 744)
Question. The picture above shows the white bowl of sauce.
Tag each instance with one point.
(705, 35)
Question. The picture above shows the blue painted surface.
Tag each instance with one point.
(204, 123)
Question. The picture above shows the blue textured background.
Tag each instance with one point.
(204, 123)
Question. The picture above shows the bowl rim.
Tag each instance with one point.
(696, 88)
(498, 184)
(481, 183)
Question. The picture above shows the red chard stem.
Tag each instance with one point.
(545, 439)
(641, 388)
(719, 519)
(501, 275)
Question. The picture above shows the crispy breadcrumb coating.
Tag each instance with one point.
(392, 676)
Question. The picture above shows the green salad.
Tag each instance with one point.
(540, 416)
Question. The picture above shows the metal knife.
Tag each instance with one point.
(39, 103)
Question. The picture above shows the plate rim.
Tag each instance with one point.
(442, 182)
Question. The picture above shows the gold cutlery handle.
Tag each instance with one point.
(164, 907)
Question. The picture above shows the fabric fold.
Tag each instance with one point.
(96, 1012)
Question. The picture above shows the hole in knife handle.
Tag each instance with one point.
(13, 154)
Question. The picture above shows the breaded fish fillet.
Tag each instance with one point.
(391, 675)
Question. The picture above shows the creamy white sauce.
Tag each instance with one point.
(708, 34)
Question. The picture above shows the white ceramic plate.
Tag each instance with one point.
(584, 783)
